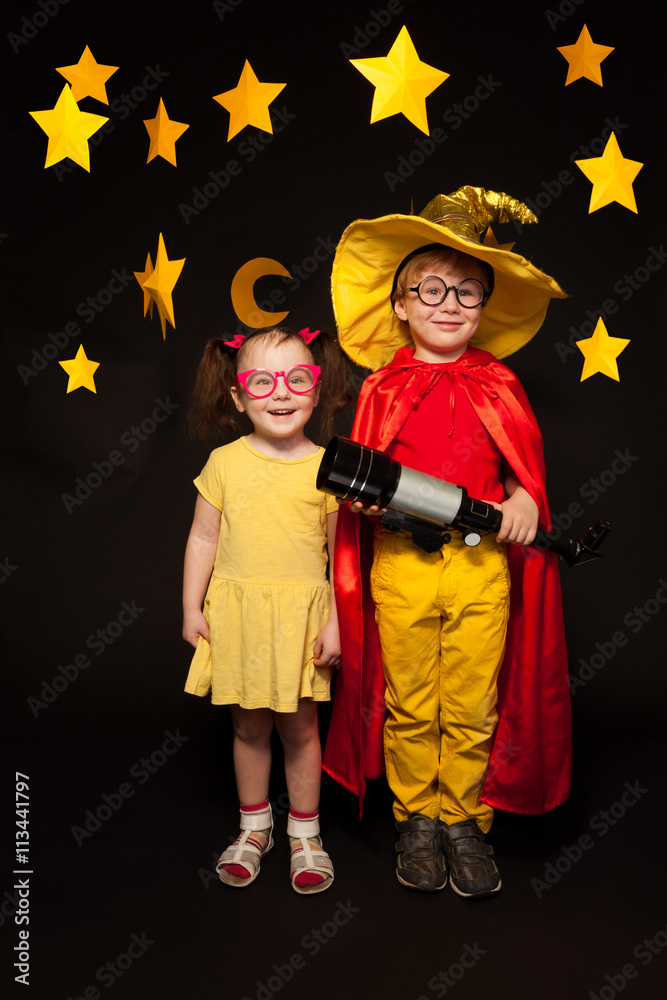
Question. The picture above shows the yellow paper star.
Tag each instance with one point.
(68, 129)
(88, 77)
(248, 103)
(161, 284)
(402, 82)
(491, 241)
(584, 58)
(141, 277)
(600, 352)
(612, 176)
(80, 371)
(163, 132)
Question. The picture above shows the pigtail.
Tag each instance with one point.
(336, 390)
(212, 411)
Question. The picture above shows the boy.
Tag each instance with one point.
(460, 734)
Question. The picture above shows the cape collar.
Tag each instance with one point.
(472, 357)
(421, 377)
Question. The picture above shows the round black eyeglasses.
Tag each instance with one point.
(432, 291)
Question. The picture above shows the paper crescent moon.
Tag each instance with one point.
(243, 298)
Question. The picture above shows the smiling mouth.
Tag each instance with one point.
(281, 413)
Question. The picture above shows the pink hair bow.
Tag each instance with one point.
(236, 342)
(307, 335)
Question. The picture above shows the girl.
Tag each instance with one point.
(268, 636)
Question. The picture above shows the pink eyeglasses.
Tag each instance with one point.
(260, 382)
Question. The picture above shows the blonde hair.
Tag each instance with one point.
(422, 263)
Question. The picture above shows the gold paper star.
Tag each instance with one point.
(80, 371)
(141, 277)
(248, 103)
(584, 58)
(600, 352)
(161, 284)
(402, 82)
(612, 176)
(68, 129)
(88, 77)
(491, 241)
(163, 132)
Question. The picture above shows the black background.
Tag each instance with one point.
(148, 869)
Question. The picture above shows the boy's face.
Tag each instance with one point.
(441, 333)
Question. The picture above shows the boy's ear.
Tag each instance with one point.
(237, 399)
(399, 309)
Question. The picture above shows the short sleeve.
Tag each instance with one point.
(211, 481)
(332, 504)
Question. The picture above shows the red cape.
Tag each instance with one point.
(529, 771)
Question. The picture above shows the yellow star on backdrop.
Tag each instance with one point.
(600, 352)
(584, 58)
(68, 129)
(402, 82)
(491, 241)
(161, 284)
(80, 370)
(612, 176)
(141, 277)
(248, 103)
(88, 77)
(163, 132)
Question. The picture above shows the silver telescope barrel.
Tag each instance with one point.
(434, 500)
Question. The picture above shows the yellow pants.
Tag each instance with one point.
(442, 618)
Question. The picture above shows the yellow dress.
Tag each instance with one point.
(268, 597)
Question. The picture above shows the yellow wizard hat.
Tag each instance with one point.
(370, 252)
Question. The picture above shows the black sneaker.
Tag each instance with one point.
(472, 873)
(420, 863)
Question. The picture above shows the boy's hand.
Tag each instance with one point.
(194, 625)
(520, 517)
(326, 651)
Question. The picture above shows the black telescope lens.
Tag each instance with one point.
(352, 471)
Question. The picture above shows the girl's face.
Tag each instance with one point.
(284, 414)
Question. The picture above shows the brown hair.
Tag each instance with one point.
(422, 263)
(212, 411)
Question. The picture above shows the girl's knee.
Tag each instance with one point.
(300, 727)
(252, 726)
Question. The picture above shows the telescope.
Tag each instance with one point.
(428, 507)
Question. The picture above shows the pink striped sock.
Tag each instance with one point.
(306, 878)
(259, 838)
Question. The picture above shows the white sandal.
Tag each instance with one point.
(307, 858)
(243, 853)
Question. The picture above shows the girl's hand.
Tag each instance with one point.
(326, 651)
(372, 511)
(194, 625)
(520, 516)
